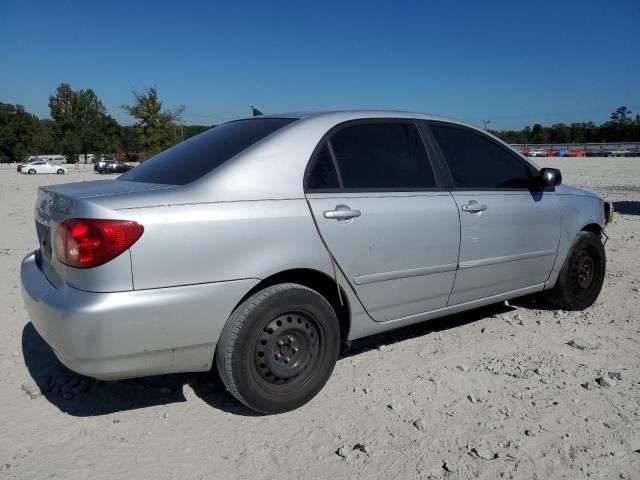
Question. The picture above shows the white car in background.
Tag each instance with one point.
(43, 167)
(621, 152)
(538, 152)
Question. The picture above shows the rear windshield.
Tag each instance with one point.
(194, 158)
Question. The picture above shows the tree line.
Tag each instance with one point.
(621, 127)
(80, 125)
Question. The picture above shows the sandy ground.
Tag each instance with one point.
(508, 391)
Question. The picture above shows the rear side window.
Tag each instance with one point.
(194, 158)
(382, 156)
(323, 175)
(477, 162)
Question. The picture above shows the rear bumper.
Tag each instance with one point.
(120, 335)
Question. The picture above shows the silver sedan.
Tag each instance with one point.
(262, 244)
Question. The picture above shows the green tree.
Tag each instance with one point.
(156, 128)
(82, 123)
(62, 106)
(193, 130)
(44, 139)
(129, 139)
(559, 133)
(621, 127)
(622, 116)
(539, 134)
(17, 129)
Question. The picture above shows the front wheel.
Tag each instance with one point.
(278, 348)
(582, 275)
(60, 171)
(31, 171)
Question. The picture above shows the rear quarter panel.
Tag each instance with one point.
(213, 242)
(217, 242)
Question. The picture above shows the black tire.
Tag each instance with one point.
(278, 348)
(582, 275)
(60, 171)
(31, 171)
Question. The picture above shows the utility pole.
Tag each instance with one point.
(485, 123)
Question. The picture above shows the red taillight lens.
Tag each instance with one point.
(86, 243)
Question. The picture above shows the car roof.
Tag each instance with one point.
(274, 167)
(339, 116)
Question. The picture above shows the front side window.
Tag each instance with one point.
(476, 162)
(194, 158)
(382, 156)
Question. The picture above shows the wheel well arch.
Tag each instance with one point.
(593, 228)
(315, 280)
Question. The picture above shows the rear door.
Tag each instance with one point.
(510, 229)
(391, 227)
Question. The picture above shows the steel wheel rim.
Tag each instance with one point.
(584, 271)
(287, 350)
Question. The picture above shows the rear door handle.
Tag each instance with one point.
(474, 207)
(342, 212)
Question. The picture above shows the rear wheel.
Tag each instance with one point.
(582, 275)
(31, 171)
(60, 171)
(279, 348)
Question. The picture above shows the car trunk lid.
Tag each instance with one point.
(57, 203)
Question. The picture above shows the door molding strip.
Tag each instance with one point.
(397, 274)
(507, 258)
(450, 267)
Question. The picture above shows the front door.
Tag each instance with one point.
(391, 230)
(509, 229)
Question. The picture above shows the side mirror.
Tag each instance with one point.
(549, 177)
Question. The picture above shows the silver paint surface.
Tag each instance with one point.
(408, 257)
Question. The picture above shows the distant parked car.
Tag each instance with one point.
(550, 153)
(577, 153)
(28, 162)
(100, 164)
(47, 158)
(111, 166)
(119, 167)
(42, 167)
(261, 244)
(622, 152)
(537, 152)
(562, 153)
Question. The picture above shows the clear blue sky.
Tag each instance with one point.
(512, 62)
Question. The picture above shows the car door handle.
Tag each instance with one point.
(342, 212)
(474, 207)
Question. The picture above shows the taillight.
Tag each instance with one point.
(86, 243)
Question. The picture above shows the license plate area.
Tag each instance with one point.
(44, 234)
(46, 245)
